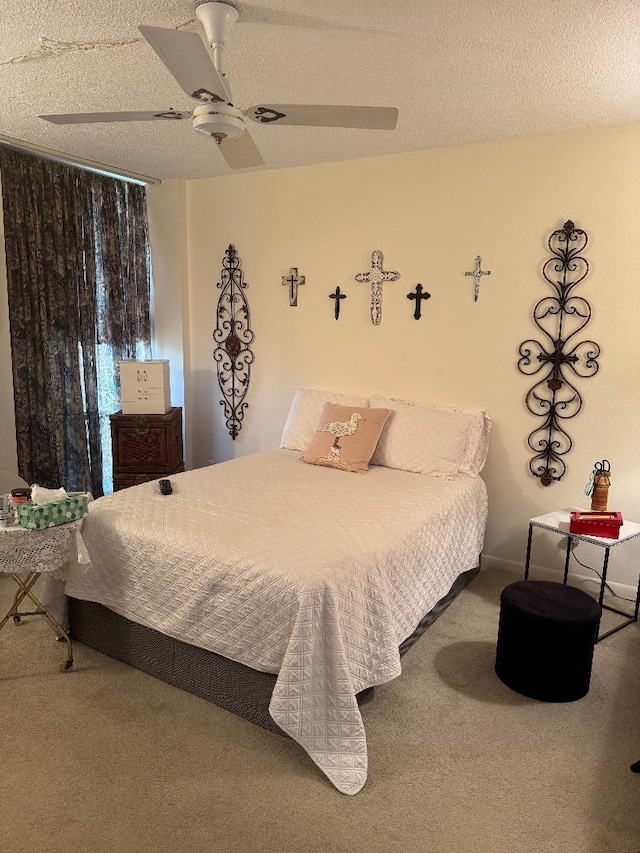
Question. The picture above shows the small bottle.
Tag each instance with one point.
(4, 510)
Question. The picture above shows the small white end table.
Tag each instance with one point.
(27, 554)
(558, 522)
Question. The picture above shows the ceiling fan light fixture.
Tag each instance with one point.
(221, 121)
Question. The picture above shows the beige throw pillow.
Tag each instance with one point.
(346, 437)
(306, 408)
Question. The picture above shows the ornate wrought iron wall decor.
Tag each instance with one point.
(233, 337)
(560, 318)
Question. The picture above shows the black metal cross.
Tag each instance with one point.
(293, 281)
(337, 296)
(418, 296)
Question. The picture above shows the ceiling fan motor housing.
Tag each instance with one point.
(219, 120)
(217, 19)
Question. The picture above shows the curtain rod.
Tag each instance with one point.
(71, 160)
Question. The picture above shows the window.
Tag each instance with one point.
(78, 281)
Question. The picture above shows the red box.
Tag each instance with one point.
(604, 524)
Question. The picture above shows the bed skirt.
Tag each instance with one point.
(228, 684)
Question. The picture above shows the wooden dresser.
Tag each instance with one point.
(146, 447)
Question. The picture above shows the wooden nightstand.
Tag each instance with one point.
(146, 447)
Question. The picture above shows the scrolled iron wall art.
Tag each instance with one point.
(560, 318)
(233, 337)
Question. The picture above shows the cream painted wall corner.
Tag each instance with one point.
(431, 213)
(166, 209)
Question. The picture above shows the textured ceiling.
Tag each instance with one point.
(459, 71)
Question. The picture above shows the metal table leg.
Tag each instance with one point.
(25, 585)
(566, 560)
(528, 559)
(630, 617)
(604, 575)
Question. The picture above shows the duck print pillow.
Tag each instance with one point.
(346, 437)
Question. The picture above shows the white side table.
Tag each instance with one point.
(558, 522)
(27, 554)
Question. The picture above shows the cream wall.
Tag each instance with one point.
(431, 213)
(166, 209)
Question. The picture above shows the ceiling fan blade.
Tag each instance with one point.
(374, 118)
(187, 58)
(90, 118)
(240, 151)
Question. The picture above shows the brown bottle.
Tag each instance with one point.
(600, 494)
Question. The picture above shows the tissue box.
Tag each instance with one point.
(40, 516)
(603, 524)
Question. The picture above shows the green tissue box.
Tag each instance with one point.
(40, 516)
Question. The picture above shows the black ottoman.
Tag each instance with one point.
(546, 638)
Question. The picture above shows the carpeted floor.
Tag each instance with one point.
(104, 759)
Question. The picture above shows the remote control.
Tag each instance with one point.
(165, 487)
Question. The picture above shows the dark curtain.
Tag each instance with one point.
(78, 281)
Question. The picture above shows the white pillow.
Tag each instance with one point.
(431, 439)
(304, 415)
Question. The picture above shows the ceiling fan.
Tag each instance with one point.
(187, 58)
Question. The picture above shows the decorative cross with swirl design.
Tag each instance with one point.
(560, 318)
(375, 277)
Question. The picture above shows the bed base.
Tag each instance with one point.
(226, 683)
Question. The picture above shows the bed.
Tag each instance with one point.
(307, 576)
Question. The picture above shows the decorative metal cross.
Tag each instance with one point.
(418, 296)
(477, 273)
(556, 359)
(337, 296)
(293, 281)
(376, 276)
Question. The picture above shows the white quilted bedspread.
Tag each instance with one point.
(309, 572)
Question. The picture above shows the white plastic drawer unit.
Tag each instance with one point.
(144, 387)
